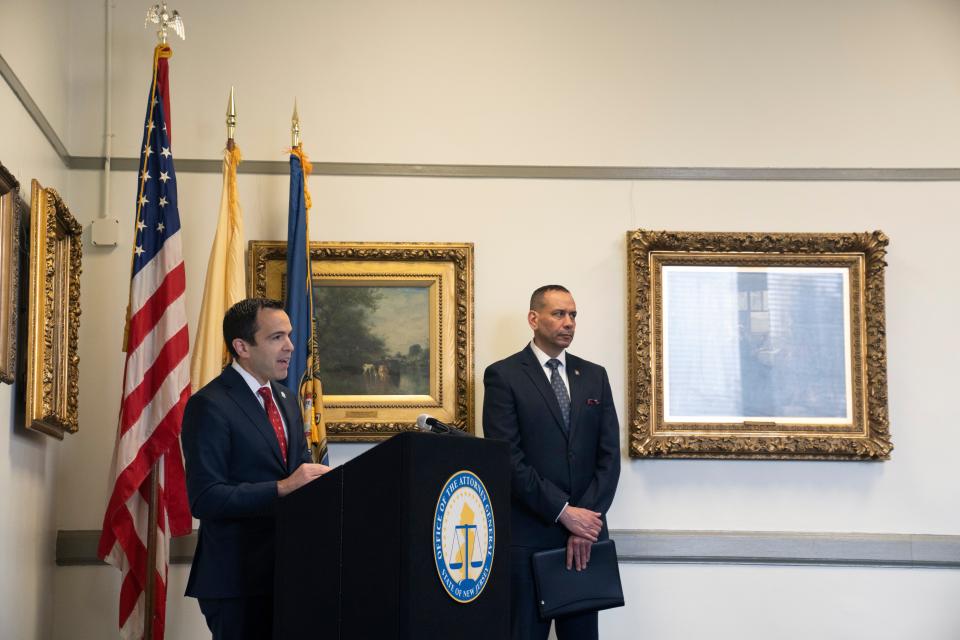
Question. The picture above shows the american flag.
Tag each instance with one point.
(156, 380)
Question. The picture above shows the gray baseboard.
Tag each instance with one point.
(78, 547)
(686, 547)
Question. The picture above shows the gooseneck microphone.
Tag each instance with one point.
(428, 423)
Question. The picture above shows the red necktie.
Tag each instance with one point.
(274, 414)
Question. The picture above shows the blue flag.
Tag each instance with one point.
(299, 303)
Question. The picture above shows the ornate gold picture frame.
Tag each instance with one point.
(12, 211)
(757, 345)
(53, 323)
(394, 326)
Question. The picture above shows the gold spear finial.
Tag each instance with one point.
(159, 14)
(231, 119)
(295, 127)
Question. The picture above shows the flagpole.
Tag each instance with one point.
(149, 588)
(298, 233)
(148, 592)
(231, 145)
(165, 20)
(309, 386)
(131, 535)
(149, 604)
(231, 121)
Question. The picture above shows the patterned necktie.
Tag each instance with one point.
(274, 414)
(559, 390)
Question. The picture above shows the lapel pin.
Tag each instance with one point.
(283, 395)
(576, 372)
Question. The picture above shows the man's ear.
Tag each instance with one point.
(241, 347)
(532, 319)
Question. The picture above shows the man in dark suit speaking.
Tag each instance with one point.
(243, 447)
(556, 411)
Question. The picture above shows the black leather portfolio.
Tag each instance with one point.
(562, 592)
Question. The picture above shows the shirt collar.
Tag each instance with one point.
(252, 382)
(543, 357)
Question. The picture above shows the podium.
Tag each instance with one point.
(409, 540)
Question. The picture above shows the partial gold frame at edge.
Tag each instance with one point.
(12, 211)
(53, 326)
(816, 444)
(460, 256)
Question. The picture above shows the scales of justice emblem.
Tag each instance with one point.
(463, 536)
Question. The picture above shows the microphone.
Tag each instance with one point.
(430, 424)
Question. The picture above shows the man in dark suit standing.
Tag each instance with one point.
(243, 447)
(556, 411)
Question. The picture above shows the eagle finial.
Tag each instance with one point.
(160, 15)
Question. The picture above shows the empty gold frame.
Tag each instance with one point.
(12, 210)
(394, 327)
(757, 345)
(53, 322)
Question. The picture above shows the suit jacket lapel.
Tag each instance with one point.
(577, 390)
(533, 369)
(250, 406)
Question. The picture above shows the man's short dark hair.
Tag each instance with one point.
(240, 321)
(536, 300)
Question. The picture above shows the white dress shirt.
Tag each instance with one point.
(255, 386)
(542, 358)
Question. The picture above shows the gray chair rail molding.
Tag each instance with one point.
(532, 172)
(79, 547)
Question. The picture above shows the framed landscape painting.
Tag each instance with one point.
(394, 329)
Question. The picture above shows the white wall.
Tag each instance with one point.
(615, 82)
(744, 83)
(28, 460)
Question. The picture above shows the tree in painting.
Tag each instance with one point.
(357, 328)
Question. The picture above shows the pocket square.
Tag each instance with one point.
(592, 402)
